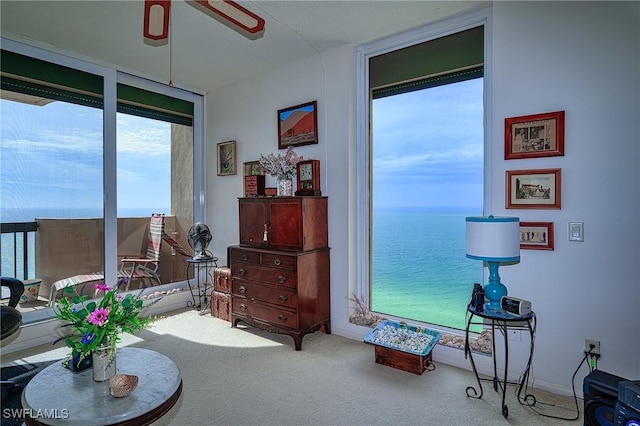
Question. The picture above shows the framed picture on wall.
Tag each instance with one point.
(298, 125)
(536, 235)
(226, 153)
(529, 136)
(533, 189)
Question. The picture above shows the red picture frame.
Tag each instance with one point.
(530, 136)
(536, 235)
(533, 189)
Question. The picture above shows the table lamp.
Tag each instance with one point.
(493, 240)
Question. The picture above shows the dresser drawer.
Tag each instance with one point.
(271, 314)
(275, 296)
(279, 261)
(274, 260)
(245, 256)
(247, 271)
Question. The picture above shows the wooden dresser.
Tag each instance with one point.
(280, 271)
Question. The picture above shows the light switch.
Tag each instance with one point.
(576, 231)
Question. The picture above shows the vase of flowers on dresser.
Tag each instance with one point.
(283, 168)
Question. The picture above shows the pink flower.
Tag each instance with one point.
(99, 317)
(102, 287)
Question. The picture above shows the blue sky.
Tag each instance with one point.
(51, 157)
(428, 152)
(428, 147)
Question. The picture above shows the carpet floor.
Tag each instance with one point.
(246, 376)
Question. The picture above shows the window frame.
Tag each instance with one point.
(111, 79)
(364, 176)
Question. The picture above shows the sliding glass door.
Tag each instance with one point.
(86, 156)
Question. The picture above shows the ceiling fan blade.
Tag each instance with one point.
(156, 19)
(234, 13)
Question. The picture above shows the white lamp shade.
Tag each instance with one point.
(493, 239)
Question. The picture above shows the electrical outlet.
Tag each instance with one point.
(596, 346)
(515, 335)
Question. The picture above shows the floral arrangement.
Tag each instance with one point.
(99, 323)
(281, 166)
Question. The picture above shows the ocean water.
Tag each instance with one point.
(420, 270)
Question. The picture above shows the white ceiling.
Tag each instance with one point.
(205, 54)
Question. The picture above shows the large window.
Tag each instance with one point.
(89, 162)
(427, 150)
(424, 168)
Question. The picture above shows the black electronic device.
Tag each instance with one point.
(600, 391)
(628, 406)
(477, 298)
(629, 393)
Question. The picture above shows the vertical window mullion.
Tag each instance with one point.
(110, 178)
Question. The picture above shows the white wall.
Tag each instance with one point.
(246, 112)
(583, 58)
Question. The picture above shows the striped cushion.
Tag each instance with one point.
(156, 229)
(84, 279)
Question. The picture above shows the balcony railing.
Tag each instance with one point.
(48, 250)
(20, 244)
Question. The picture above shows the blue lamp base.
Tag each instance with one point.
(494, 289)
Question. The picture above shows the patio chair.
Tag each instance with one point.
(179, 248)
(146, 268)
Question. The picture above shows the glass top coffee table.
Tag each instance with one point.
(59, 396)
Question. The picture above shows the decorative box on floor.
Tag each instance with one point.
(402, 346)
(221, 305)
(222, 279)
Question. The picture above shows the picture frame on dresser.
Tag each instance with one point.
(536, 236)
(536, 135)
(533, 189)
(254, 179)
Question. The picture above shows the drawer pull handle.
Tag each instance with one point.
(282, 298)
(242, 272)
(245, 257)
(282, 279)
(242, 290)
(243, 307)
(282, 317)
(277, 262)
(265, 236)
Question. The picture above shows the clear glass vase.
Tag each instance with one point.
(285, 187)
(104, 363)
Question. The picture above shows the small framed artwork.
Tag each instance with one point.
(253, 168)
(536, 235)
(226, 158)
(298, 125)
(538, 135)
(533, 189)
